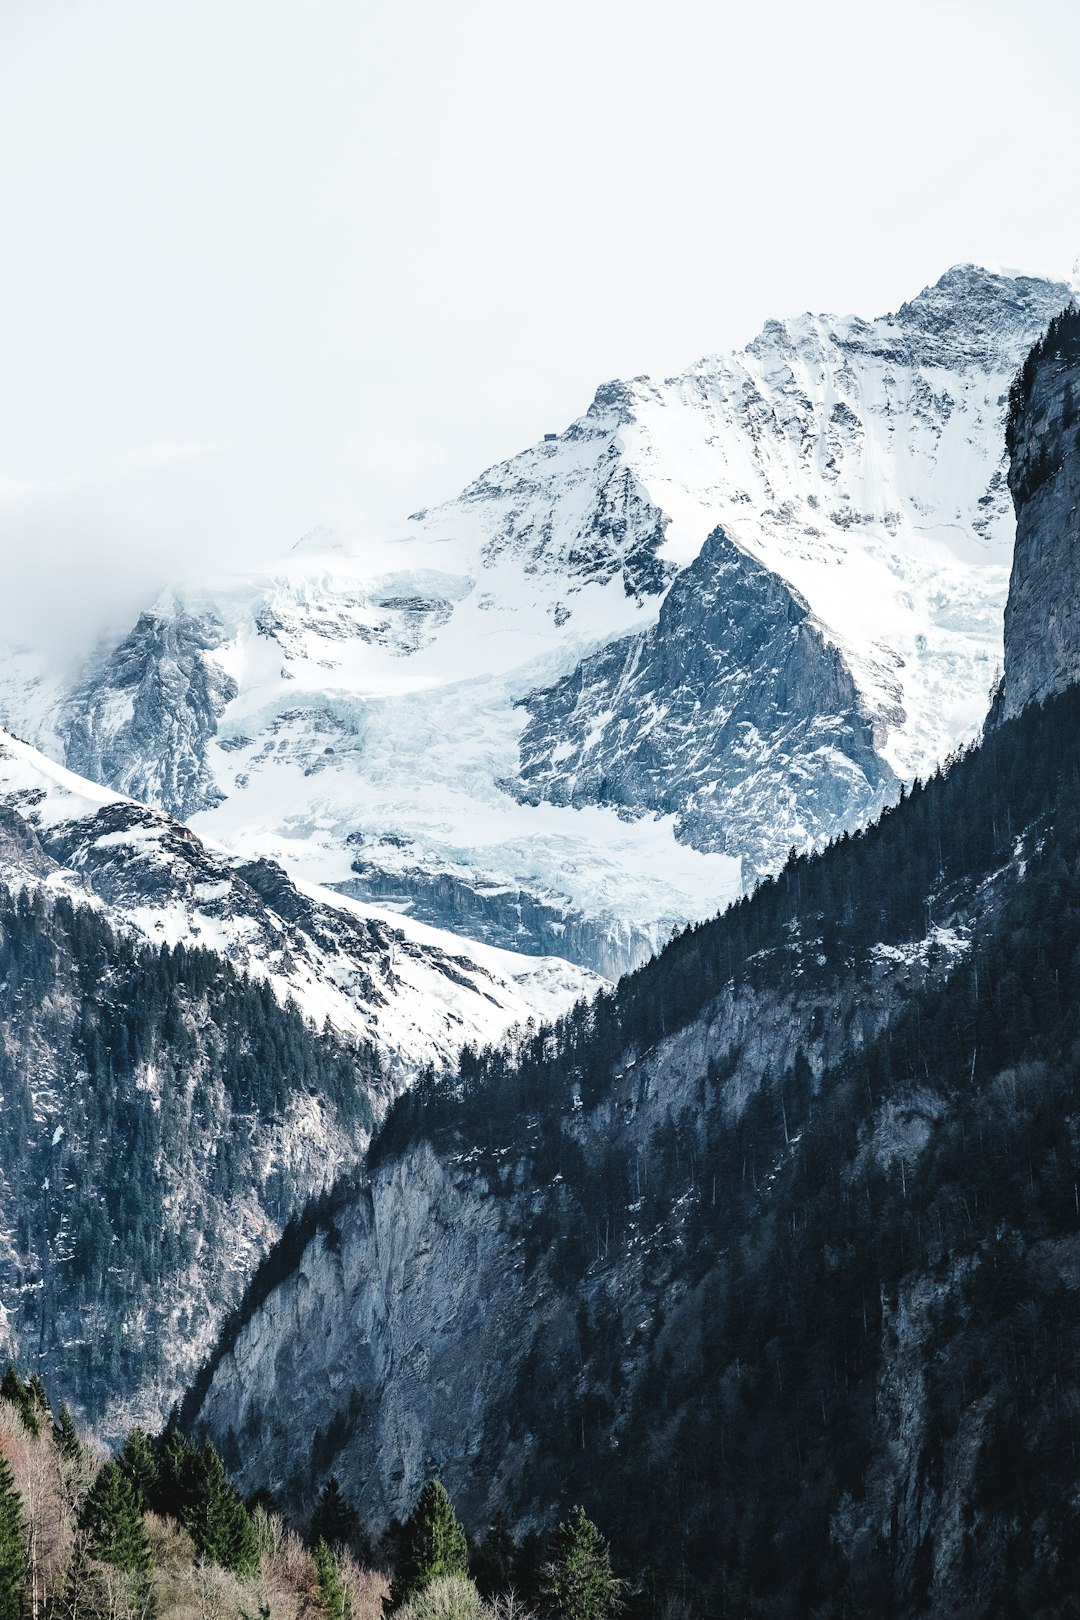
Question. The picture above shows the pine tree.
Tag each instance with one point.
(114, 1524)
(432, 1544)
(217, 1520)
(140, 1466)
(335, 1520)
(66, 1437)
(332, 1594)
(12, 1545)
(578, 1583)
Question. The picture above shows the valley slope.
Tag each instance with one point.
(770, 1256)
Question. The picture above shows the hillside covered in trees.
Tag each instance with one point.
(161, 1119)
(796, 1328)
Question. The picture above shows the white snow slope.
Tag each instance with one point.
(415, 994)
(357, 701)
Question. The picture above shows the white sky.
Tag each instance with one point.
(265, 265)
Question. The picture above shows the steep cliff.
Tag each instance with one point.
(734, 713)
(1042, 616)
(771, 1256)
(723, 1255)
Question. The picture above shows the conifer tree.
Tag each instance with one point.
(218, 1521)
(578, 1583)
(332, 1594)
(139, 1464)
(494, 1560)
(335, 1520)
(14, 1390)
(38, 1401)
(66, 1437)
(12, 1545)
(432, 1544)
(176, 1483)
(114, 1524)
(529, 1562)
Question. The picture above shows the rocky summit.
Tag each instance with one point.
(487, 719)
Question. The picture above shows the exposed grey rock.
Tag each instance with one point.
(140, 723)
(734, 713)
(513, 919)
(1042, 615)
(418, 1319)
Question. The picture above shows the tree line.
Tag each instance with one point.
(159, 1530)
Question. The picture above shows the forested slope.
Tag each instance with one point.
(162, 1117)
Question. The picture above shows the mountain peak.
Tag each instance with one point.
(971, 305)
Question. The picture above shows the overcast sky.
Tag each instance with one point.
(265, 265)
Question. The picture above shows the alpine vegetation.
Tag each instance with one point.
(158, 1531)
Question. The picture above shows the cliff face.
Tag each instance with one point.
(771, 1256)
(734, 1257)
(427, 1327)
(734, 713)
(1042, 615)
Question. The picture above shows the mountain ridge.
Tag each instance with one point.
(383, 694)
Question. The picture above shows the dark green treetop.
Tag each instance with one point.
(140, 1465)
(12, 1545)
(335, 1520)
(432, 1544)
(217, 1520)
(578, 1583)
(113, 1520)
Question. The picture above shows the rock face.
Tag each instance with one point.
(733, 1256)
(143, 723)
(733, 713)
(1042, 615)
(416, 1317)
(380, 715)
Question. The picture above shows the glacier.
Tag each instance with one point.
(388, 716)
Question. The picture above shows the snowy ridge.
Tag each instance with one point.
(414, 994)
(357, 711)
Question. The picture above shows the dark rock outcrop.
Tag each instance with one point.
(141, 723)
(1042, 616)
(734, 713)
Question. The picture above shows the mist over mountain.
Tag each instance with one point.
(504, 720)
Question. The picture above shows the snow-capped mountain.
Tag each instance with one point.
(547, 713)
(410, 993)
